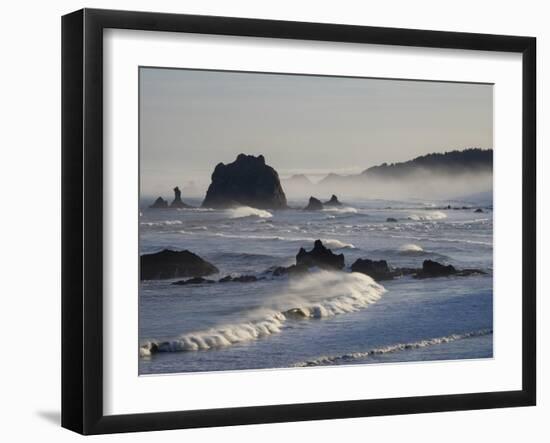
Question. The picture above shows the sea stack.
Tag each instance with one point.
(319, 256)
(248, 181)
(160, 203)
(177, 203)
(333, 201)
(314, 204)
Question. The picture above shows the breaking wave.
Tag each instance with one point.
(354, 356)
(341, 210)
(433, 215)
(162, 223)
(411, 249)
(330, 243)
(335, 244)
(317, 295)
(247, 211)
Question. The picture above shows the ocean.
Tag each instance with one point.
(351, 319)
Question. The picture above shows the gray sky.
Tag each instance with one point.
(190, 120)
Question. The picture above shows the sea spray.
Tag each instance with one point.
(317, 295)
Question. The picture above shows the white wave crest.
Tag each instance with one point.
(247, 211)
(341, 210)
(351, 357)
(431, 215)
(218, 337)
(162, 223)
(410, 248)
(317, 295)
(332, 243)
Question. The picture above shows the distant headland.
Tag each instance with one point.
(250, 181)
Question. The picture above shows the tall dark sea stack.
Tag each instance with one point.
(178, 203)
(248, 181)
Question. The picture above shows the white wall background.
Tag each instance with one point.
(30, 221)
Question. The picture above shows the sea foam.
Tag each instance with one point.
(247, 211)
(431, 215)
(354, 356)
(316, 295)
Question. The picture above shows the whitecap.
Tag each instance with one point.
(247, 211)
(428, 216)
(316, 295)
(410, 248)
(353, 356)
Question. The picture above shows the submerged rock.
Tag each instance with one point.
(178, 203)
(159, 203)
(193, 281)
(333, 201)
(319, 256)
(314, 205)
(248, 181)
(173, 264)
(239, 279)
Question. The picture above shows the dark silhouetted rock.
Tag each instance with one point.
(248, 181)
(177, 203)
(160, 203)
(314, 204)
(333, 201)
(432, 268)
(193, 281)
(379, 270)
(290, 270)
(320, 256)
(239, 279)
(174, 264)
(391, 220)
(478, 211)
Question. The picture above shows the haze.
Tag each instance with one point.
(190, 120)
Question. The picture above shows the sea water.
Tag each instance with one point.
(344, 318)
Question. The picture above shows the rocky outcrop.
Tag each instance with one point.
(434, 269)
(174, 264)
(431, 269)
(239, 279)
(319, 256)
(333, 201)
(178, 203)
(479, 211)
(379, 270)
(248, 181)
(391, 220)
(160, 203)
(290, 270)
(193, 281)
(314, 205)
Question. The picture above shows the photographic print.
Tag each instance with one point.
(293, 221)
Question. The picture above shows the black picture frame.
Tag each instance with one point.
(82, 220)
